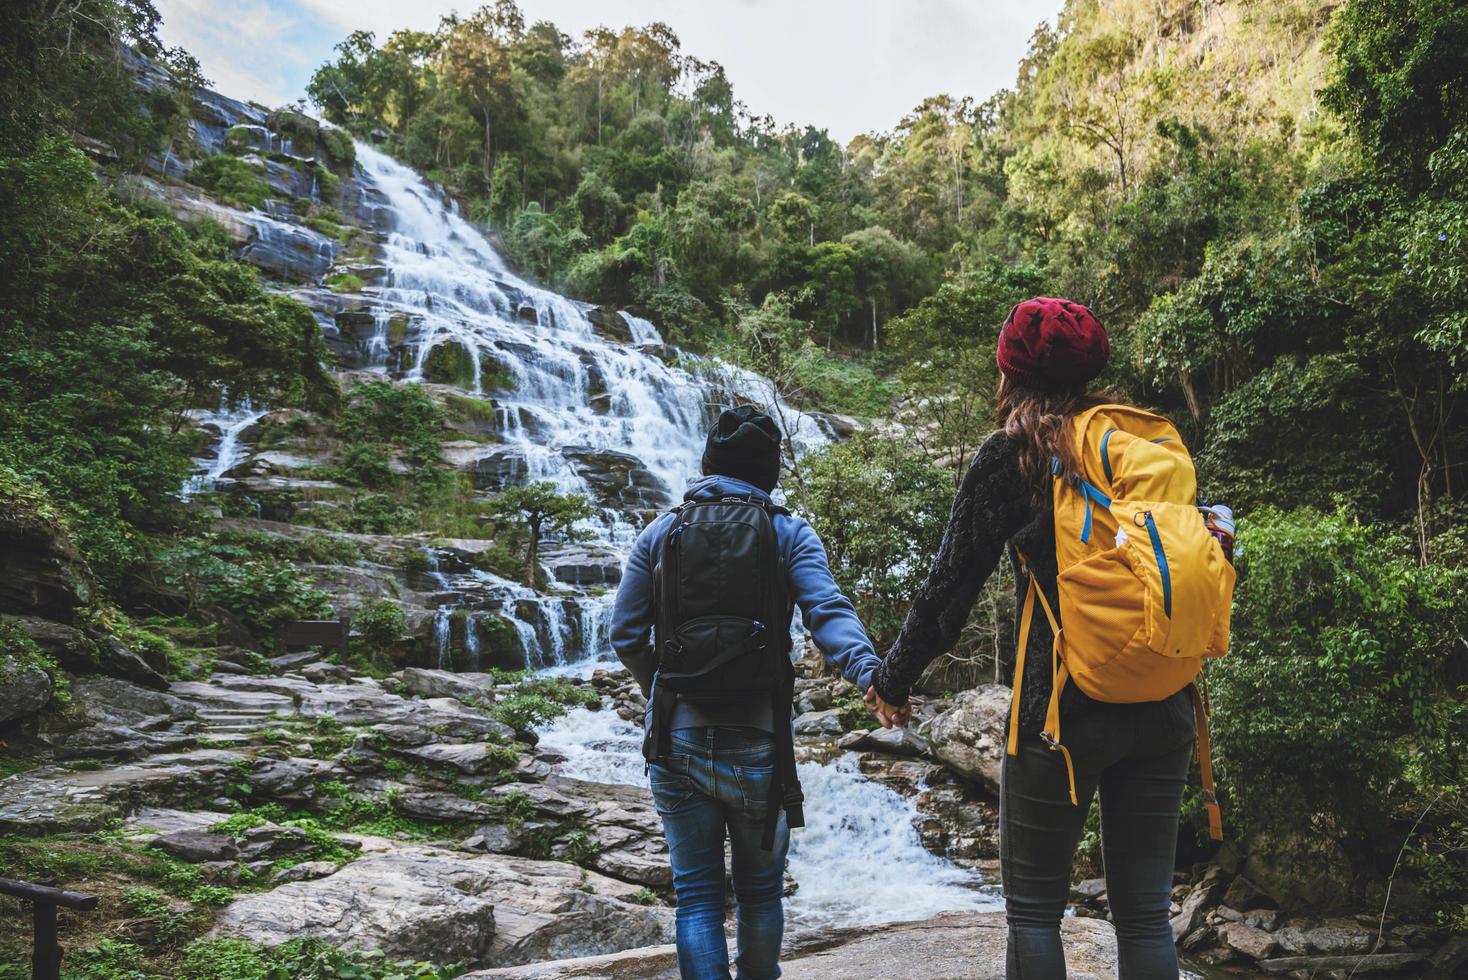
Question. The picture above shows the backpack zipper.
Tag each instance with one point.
(1156, 537)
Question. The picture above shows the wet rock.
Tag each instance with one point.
(1256, 944)
(1092, 890)
(893, 741)
(79, 653)
(486, 909)
(958, 824)
(1303, 871)
(970, 737)
(1217, 956)
(196, 846)
(1314, 966)
(1450, 959)
(494, 839)
(1266, 919)
(618, 479)
(610, 324)
(447, 684)
(25, 688)
(1200, 938)
(441, 807)
(58, 800)
(292, 780)
(826, 722)
(1292, 940)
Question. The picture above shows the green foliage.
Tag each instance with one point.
(538, 700)
(342, 282)
(880, 510)
(232, 180)
(543, 509)
(113, 321)
(110, 959)
(261, 591)
(381, 623)
(1333, 691)
(299, 959)
(18, 652)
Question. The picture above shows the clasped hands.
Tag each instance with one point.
(888, 715)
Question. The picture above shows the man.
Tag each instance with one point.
(717, 673)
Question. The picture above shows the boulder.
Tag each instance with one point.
(610, 324)
(440, 807)
(1244, 895)
(617, 479)
(197, 846)
(826, 722)
(473, 758)
(1256, 944)
(305, 871)
(1338, 937)
(41, 571)
(446, 684)
(25, 688)
(893, 741)
(79, 653)
(970, 737)
(489, 909)
(1302, 870)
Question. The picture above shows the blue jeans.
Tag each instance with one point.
(717, 780)
(1137, 756)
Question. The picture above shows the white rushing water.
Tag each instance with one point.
(857, 861)
(231, 421)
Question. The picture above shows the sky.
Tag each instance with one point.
(850, 66)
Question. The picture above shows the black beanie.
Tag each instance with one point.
(745, 444)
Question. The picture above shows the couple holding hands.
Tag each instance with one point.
(702, 621)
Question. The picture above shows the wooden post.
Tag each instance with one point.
(46, 956)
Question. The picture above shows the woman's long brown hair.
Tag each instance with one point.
(1041, 422)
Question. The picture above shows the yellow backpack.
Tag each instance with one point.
(1145, 589)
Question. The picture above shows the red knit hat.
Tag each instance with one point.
(1052, 344)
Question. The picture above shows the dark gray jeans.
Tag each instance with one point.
(1137, 755)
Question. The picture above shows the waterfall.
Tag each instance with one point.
(231, 421)
(575, 404)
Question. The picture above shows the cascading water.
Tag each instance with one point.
(581, 405)
(231, 421)
(857, 861)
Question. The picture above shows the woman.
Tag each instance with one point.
(1136, 754)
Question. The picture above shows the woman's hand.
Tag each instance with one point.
(889, 716)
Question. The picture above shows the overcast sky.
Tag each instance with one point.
(849, 65)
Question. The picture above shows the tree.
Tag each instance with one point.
(476, 55)
(544, 509)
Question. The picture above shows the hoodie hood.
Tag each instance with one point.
(711, 487)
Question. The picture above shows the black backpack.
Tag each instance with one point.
(722, 630)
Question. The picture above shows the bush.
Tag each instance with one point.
(232, 180)
(540, 700)
(381, 623)
(1337, 694)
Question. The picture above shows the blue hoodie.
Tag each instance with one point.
(826, 612)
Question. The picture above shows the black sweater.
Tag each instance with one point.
(994, 507)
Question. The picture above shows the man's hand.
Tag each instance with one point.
(889, 716)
